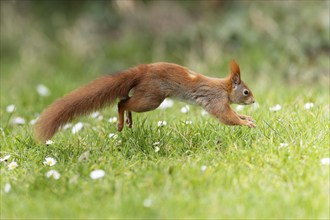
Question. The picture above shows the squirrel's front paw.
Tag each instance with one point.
(250, 124)
(251, 119)
(246, 117)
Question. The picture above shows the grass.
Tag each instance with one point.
(202, 170)
(249, 174)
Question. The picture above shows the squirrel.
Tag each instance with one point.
(143, 88)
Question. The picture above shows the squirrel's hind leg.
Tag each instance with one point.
(129, 120)
(121, 112)
(140, 101)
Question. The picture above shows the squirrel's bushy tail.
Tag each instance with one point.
(95, 95)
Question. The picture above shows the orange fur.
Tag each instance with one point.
(149, 85)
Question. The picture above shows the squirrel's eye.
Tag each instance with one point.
(246, 92)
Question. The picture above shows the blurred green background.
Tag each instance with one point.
(52, 42)
(273, 171)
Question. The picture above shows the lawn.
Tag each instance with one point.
(192, 166)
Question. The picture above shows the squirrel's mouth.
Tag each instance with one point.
(249, 101)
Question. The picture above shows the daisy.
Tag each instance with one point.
(203, 168)
(84, 156)
(284, 144)
(325, 161)
(49, 142)
(5, 158)
(18, 121)
(67, 126)
(77, 127)
(50, 161)
(147, 202)
(95, 114)
(275, 108)
(188, 122)
(7, 188)
(255, 105)
(113, 136)
(54, 174)
(10, 108)
(97, 174)
(185, 109)
(33, 121)
(309, 105)
(204, 113)
(167, 103)
(12, 165)
(43, 90)
(161, 123)
(239, 107)
(112, 120)
(156, 145)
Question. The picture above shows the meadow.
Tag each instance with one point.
(176, 161)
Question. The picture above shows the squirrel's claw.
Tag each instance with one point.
(251, 124)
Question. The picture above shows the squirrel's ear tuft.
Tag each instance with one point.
(235, 73)
(234, 67)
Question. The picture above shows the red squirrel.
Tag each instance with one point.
(143, 88)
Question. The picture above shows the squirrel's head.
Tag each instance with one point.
(239, 92)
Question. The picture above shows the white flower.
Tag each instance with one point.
(5, 158)
(239, 107)
(309, 105)
(12, 165)
(67, 126)
(156, 145)
(185, 109)
(43, 90)
(84, 156)
(203, 168)
(275, 108)
(255, 105)
(204, 113)
(33, 121)
(113, 136)
(54, 174)
(77, 127)
(7, 188)
(50, 161)
(95, 114)
(284, 144)
(161, 123)
(167, 103)
(10, 108)
(97, 174)
(147, 202)
(188, 122)
(325, 161)
(49, 142)
(112, 120)
(18, 121)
